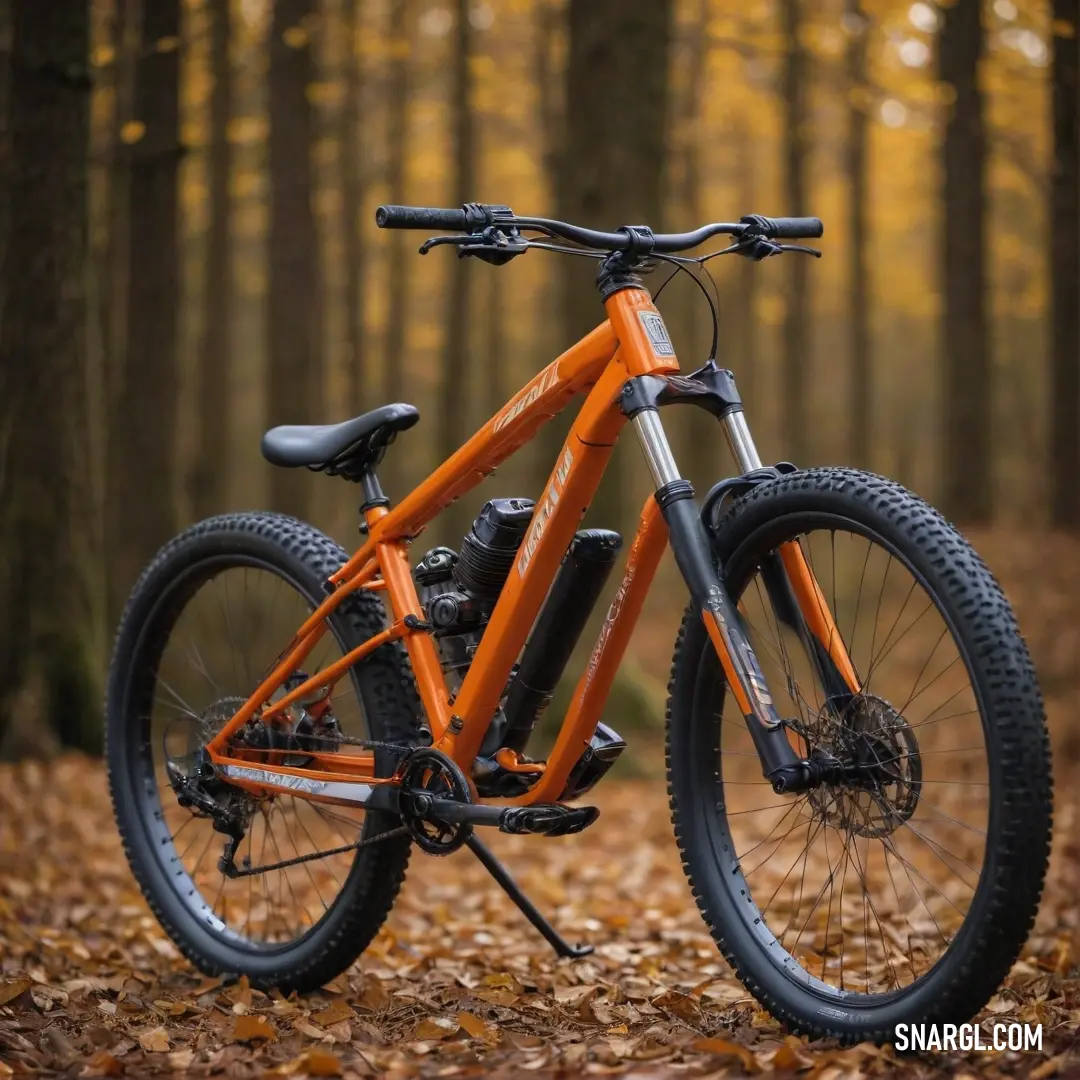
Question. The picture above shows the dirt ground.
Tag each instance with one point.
(457, 984)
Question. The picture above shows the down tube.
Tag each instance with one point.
(593, 687)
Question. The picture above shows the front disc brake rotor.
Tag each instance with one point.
(880, 756)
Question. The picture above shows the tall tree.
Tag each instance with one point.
(141, 452)
(401, 246)
(797, 331)
(615, 139)
(859, 289)
(966, 447)
(46, 605)
(353, 191)
(453, 413)
(294, 308)
(745, 360)
(689, 330)
(1065, 270)
(210, 480)
(456, 346)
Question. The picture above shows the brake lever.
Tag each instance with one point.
(800, 248)
(435, 241)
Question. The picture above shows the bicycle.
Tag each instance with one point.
(452, 661)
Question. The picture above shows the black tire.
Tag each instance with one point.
(303, 557)
(1014, 861)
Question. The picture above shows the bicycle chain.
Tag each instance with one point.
(227, 862)
(233, 871)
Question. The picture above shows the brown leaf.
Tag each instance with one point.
(1047, 1069)
(9, 991)
(334, 1013)
(180, 1060)
(476, 1027)
(788, 1058)
(252, 1027)
(103, 1064)
(438, 1027)
(154, 1041)
(725, 1049)
(505, 981)
(313, 1063)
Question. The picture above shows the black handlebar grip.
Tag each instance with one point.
(419, 217)
(795, 228)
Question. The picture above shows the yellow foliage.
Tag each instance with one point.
(248, 130)
(132, 132)
(296, 37)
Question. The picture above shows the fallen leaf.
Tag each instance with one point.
(103, 1064)
(318, 1063)
(725, 1049)
(180, 1060)
(334, 1013)
(155, 1041)
(476, 1027)
(9, 991)
(439, 1027)
(252, 1027)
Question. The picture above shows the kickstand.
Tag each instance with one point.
(511, 888)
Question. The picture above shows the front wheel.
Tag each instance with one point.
(904, 893)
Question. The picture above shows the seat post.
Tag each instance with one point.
(373, 496)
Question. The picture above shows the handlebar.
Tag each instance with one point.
(474, 217)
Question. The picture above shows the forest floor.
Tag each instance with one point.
(456, 984)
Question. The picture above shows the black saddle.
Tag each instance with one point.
(347, 449)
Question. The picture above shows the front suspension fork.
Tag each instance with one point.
(784, 769)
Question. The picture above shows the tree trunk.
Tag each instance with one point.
(454, 413)
(353, 190)
(549, 338)
(142, 439)
(797, 335)
(698, 429)
(613, 151)
(211, 478)
(294, 311)
(966, 392)
(862, 397)
(745, 363)
(1064, 274)
(402, 246)
(47, 667)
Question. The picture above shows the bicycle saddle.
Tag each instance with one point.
(347, 449)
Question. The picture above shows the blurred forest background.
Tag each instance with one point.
(190, 256)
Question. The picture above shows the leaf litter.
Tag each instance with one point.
(456, 984)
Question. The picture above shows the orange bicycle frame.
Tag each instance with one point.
(601, 366)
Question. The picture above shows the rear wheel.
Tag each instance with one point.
(204, 622)
(905, 892)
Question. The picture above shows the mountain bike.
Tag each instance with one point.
(853, 717)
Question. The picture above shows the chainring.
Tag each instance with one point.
(428, 774)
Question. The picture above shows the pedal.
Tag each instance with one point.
(553, 819)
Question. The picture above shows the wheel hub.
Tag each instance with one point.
(874, 786)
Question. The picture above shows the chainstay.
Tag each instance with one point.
(249, 871)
